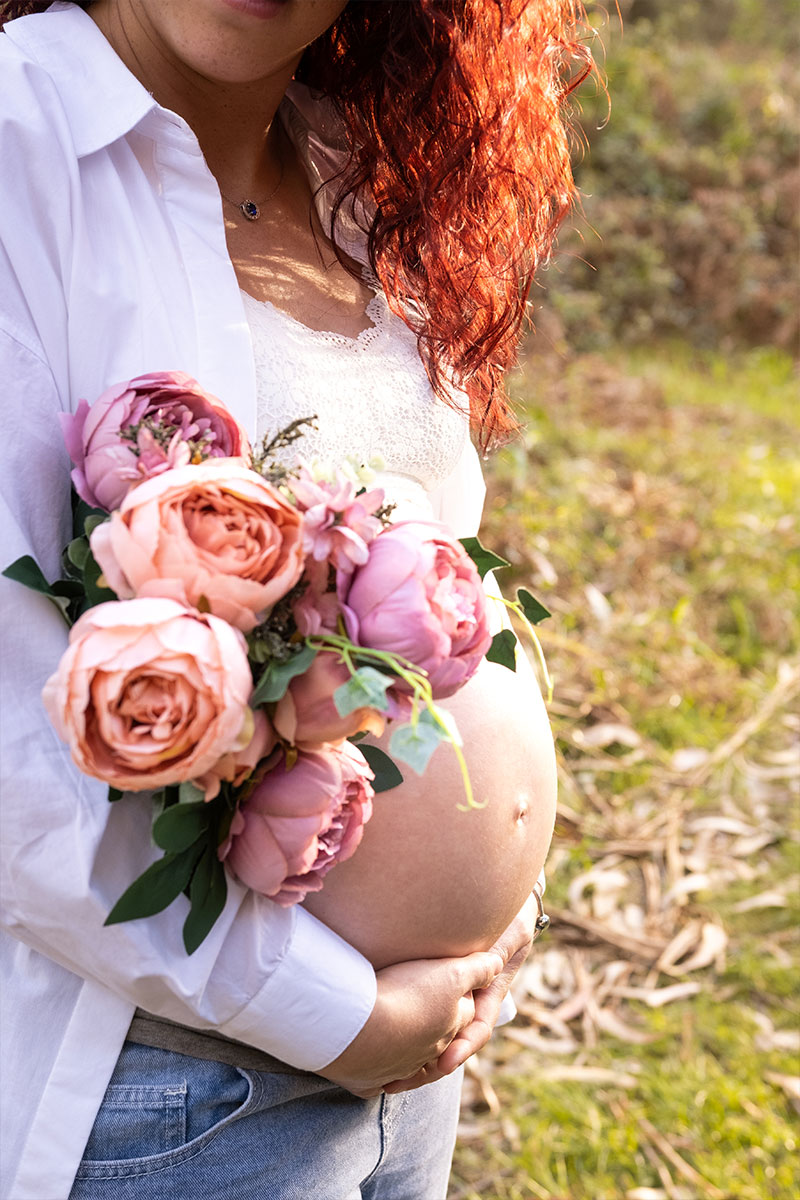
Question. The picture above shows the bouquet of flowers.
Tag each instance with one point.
(237, 627)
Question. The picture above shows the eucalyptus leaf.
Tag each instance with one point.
(277, 677)
(484, 559)
(414, 744)
(387, 773)
(156, 887)
(179, 826)
(534, 611)
(190, 793)
(208, 892)
(503, 649)
(78, 552)
(365, 689)
(96, 517)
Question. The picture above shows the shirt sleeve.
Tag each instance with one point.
(275, 978)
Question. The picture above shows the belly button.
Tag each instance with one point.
(522, 813)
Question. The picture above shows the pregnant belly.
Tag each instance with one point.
(430, 880)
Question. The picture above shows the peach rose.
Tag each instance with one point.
(306, 714)
(149, 693)
(216, 536)
(237, 764)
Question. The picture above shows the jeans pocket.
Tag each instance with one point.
(161, 1109)
(136, 1120)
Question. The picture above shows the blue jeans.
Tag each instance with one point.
(172, 1127)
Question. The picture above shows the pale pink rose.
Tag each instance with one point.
(216, 536)
(420, 596)
(142, 427)
(299, 823)
(339, 524)
(149, 693)
(306, 713)
(235, 766)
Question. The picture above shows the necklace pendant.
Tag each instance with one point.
(250, 209)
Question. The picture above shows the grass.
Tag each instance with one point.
(651, 505)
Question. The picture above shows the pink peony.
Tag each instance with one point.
(216, 536)
(339, 524)
(306, 714)
(235, 766)
(149, 693)
(142, 427)
(420, 596)
(299, 823)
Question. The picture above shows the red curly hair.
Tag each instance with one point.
(456, 114)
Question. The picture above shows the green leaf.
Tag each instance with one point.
(95, 593)
(156, 888)
(114, 794)
(190, 793)
(207, 893)
(534, 611)
(365, 689)
(181, 825)
(387, 773)
(78, 552)
(503, 649)
(484, 559)
(83, 513)
(277, 677)
(26, 570)
(96, 517)
(414, 744)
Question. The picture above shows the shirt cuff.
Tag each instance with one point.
(313, 1004)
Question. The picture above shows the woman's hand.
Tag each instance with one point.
(420, 1008)
(513, 946)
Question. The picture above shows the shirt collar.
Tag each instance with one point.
(102, 100)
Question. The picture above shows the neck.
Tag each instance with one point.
(233, 122)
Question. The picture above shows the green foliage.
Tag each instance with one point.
(690, 216)
(666, 479)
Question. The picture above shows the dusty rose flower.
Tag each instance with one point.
(299, 823)
(316, 610)
(237, 764)
(216, 536)
(339, 524)
(142, 427)
(149, 693)
(420, 596)
(306, 714)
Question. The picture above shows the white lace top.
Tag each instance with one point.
(370, 395)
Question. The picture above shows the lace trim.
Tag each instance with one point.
(370, 393)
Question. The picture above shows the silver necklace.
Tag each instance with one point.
(249, 208)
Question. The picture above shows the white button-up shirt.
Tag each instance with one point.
(113, 263)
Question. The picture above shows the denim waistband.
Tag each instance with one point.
(147, 1029)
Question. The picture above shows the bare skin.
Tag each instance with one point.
(225, 72)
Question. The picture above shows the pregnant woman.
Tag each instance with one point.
(312, 207)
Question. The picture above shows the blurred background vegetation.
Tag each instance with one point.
(652, 503)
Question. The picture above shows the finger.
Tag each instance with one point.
(427, 1074)
(476, 971)
(469, 1042)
